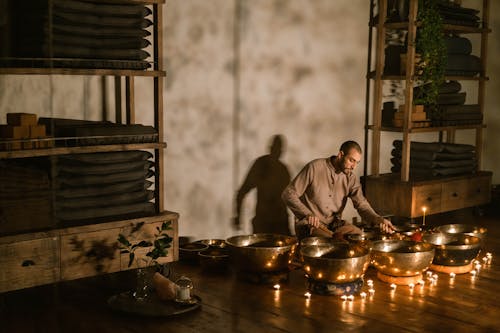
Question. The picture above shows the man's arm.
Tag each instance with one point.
(366, 211)
(292, 193)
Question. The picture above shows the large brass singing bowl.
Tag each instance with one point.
(453, 249)
(401, 258)
(467, 229)
(335, 262)
(261, 252)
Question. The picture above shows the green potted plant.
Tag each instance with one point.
(431, 47)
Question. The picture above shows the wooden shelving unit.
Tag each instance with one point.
(376, 182)
(46, 256)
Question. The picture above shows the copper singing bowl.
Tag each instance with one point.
(401, 257)
(453, 249)
(335, 262)
(463, 229)
(214, 243)
(261, 252)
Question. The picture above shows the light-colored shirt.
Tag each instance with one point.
(321, 190)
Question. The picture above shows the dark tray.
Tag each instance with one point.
(153, 306)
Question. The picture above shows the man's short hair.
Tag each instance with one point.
(348, 145)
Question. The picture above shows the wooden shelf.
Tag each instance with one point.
(80, 71)
(372, 75)
(427, 129)
(79, 150)
(446, 27)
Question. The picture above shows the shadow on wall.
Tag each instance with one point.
(269, 176)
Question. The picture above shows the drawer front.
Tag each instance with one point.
(428, 196)
(479, 191)
(89, 253)
(29, 263)
(147, 231)
(455, 194)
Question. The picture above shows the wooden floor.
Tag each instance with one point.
(229, 304)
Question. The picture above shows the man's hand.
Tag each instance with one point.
(313, 221)
(386, 226)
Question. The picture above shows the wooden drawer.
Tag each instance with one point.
(455, 194)
(479, 191)
(146, 231)
(29, 263)
(428, 196)
(89, 253)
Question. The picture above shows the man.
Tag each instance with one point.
(269, 176)
(318, 195)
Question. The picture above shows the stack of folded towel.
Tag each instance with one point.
(431, 159)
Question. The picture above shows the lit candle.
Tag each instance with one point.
(371, 291)
(452, 275)
(424, 209)
(363, 295)
(369, 283)
(478, 266)
(473, 273)
(421, 282)
(350, 297)
(277, 286)
(393, 286)
(343, 297)
(435, 276)
(485, 259)
(411, 285)
(307, 294)
(429, 273)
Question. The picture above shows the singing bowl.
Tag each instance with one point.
(401, 258)
(335, 262)
(453, 249)
(214, 259)
(261, 252)
(189, 251)
(463, 229)
(214, 243)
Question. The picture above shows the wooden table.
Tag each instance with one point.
(230, 304)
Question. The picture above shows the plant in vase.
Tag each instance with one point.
(431, 47)
(149, 264)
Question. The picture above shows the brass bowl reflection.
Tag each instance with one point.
(214, 243)
(453, 249)
(467, 229)
(261, 252)
(401, 257)
(335, 262)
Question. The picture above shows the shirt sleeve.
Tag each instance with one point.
(292, 193)
(362, 205)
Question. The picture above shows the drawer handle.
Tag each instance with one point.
(429, 199)
(478, 190)
(454, 194)
(27, 263)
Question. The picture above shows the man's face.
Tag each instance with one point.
(349, 161)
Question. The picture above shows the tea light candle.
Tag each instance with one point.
(350, 297)
(452, 275)
(411, 285)
(424, 209)
(277, 287)
(473, 273)
(343, 297)
(371, 291)
(369, 283)
(429, 273)
(435, 276)
(421, 282)
(363, 295)
(393, 286)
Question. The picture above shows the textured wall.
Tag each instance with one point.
(239, 72)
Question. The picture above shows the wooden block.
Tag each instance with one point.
(14, 132)
(37, 131)
(415, 116)
(21, 119)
